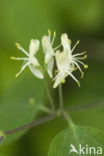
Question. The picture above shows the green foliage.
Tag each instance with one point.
(20, 105)
(76, 135)
(22, 20)
(86, 104)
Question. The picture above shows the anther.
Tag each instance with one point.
(17, 45)
(85, 66)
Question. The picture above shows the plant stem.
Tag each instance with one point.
(67, 117)
(79, 108)
(50, 96)
(61, 98)
(69, 120)
(31, 124)
(46, 110)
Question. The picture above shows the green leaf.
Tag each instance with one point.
(86, 104)
(91, 89)
(21, 104)
(90, 116)
(77, 136)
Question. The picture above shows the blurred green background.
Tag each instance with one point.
(22, 20)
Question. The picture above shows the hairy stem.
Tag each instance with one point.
(61, 98)
(50, 96)
(31, 124)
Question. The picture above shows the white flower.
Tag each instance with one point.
(67, 61)
(48, 50)
(30, 60)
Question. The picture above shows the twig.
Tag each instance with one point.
(31, 124)
(50, 96)
(67, 117)
(79, 108)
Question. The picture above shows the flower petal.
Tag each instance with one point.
(65, 42)
(47, 49)
(45, 43)
(59, 78)
(62, 60)
(36, 71)
(34, 46)
(50, 67)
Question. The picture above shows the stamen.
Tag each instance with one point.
(49, 35)
(86, 66)
(78, 68)
(75, 45)
(13, 58)
(17, 58)
(82, 75)
(18, 45)
(80, 62)
(79, 54)
(74, 78)
(25, 65)
(49, 32)
(75, 68)
(23, 50)
(54, 35)
(63, 81)
(85, 57)
(80, 58)
(57, 47)
(17, 74)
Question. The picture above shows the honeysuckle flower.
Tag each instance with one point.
(30, 60)
(49, 51)
(67, 62)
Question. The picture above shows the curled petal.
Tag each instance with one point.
(59, 79)
(36, 72)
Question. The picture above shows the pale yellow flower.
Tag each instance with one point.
(67, 61)
(30, 60)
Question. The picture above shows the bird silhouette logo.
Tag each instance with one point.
(73, 149)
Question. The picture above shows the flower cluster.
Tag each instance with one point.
(66, 61)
